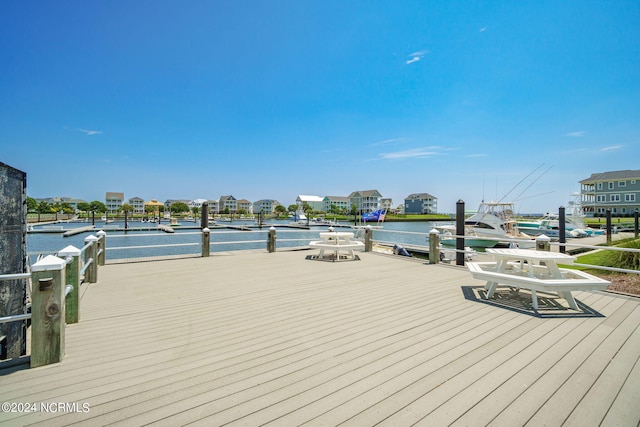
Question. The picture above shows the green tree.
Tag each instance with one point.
(292, 208)
(97, 206)
(45, 208)
(280, 210)
(179, 207)
(32, 204)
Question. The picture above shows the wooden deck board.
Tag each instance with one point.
(257, 338)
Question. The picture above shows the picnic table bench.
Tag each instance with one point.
(535, 271)
(336, 242)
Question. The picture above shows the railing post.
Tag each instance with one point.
(434, 246)
(72, 277)
(368, 239)
(271, 240)
(102, 247)
(47, 311)
(91, 273)
(206, 242)
(635, 223)
(562, 230)
(609, 226)
(460, 232)
(543, 243)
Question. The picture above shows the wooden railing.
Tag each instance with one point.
(53, 285)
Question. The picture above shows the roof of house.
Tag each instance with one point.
(307, 198)
(420, 196)
(612, 176)
(365, 193)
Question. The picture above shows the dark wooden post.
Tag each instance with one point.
(635, 223)
(91, 273)
(72, 277)
(271, 240)
(608, 226)
(204, 216)
(460, 232)
(562, 230)
(47, 311)
(434, 246)
(368, 239)
(206, 242)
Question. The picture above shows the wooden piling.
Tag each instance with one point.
(72, 300)
(47, 311)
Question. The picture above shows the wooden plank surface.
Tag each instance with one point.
(256, 338)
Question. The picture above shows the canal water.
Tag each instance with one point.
(187, 238)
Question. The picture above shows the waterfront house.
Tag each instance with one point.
(336, 203)
(266, 206)
(137, 204)
(214, 206)
(366, 200)
(420, 203)
(386, 204)
(153, 206)
(245, 206)
(228, 204)
(617, 191)
(316, 203)
(114, 201)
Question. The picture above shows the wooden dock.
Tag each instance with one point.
(252, 338)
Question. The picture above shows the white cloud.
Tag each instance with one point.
(89, 132)
(473, 156)
(578, 134)
(420, 153)
(612, 148)
(483, 29)
(416, 56)
(388, 141)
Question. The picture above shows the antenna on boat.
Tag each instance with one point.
(523, 179)
(534, 181)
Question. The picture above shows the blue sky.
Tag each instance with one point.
(198, 99)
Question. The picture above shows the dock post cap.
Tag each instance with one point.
(543, 237)
(206, 230)
(69, 251)
(434, 231)
(272, 228)
(91, 238)
(101, 233)
(49, 263)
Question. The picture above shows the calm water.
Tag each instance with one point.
(137, 244)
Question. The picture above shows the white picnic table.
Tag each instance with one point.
(337, 241)
(536, 271)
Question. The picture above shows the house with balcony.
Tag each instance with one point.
(616, 191)
(137, 204)
(265, 206)
(214, 206)
(245, 206)
(114, 201)
(228, 204)
(336, 204)
(316, 203)
(420, 203)
(366, 200)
